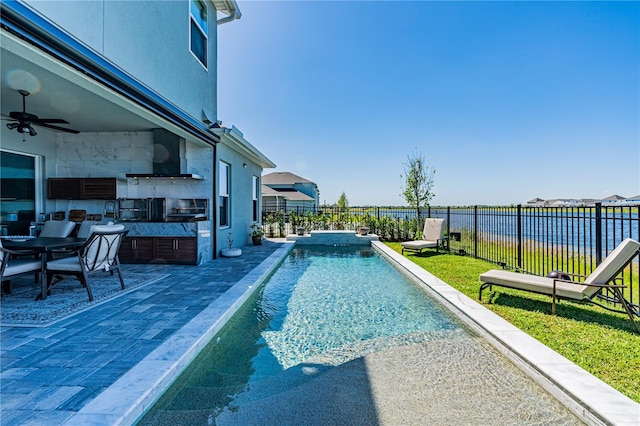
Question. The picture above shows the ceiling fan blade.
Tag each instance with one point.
(50, 120)
(62, 129)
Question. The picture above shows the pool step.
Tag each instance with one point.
(263, 387)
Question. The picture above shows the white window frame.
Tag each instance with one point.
(224, 192)
(203, 31)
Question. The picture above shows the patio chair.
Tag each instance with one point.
(57, 228)
(588, 290)
(98, 253)
(10, 266)
(432, 236)
(85, 228)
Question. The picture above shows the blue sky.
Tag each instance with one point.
(506, 100)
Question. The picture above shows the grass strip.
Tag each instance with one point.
(603, 343)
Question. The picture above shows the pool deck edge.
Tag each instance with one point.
(591, 399)
(126, 400)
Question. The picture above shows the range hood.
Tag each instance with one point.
(168, 156)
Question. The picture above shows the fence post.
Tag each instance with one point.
(519, 260)
(598, 235)
(449, 229)
(475, 231)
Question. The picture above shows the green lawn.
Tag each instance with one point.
(602, 342)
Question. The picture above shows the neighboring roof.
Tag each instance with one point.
(535, 200)
(635, 197)
(614, 197)
(268, 191)
(291, 195)
(283, 178)
(296, 196)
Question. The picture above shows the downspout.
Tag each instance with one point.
(232, 6)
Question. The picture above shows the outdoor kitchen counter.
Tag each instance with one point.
(200, 230)
(167, 229)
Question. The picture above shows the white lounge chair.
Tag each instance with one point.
(432, 236)
(587, 290)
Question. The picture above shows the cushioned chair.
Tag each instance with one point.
(57, 228)
(10, 266)
(588, 290)
(85, 228)
(432, 237)
(98, 253)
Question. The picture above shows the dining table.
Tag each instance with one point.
(43, 247)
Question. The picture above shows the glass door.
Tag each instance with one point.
(17, 192)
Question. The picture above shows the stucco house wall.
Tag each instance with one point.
(151, 78)
(148, 39)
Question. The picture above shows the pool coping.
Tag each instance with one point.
(126, 400)
(588, 397)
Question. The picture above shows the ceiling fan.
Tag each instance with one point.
(22, 120)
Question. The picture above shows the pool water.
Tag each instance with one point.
(325, 307)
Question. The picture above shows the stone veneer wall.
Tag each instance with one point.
(118, 153)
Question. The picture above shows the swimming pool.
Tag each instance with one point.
(343, 325)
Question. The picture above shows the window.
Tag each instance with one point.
(198, 30)
(18, 189)
(256, 194)
(224, 194)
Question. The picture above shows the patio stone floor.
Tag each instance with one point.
(47, 374)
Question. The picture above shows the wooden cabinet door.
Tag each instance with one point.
(145, 249)
(64, 189)
(127, 250)
(99, 189)
(137, 250)
(165, 249)
(177, 250)
(82, 188)
(182, 250)
(187, 250)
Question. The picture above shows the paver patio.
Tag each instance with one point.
(47, 374)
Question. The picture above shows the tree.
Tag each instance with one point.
(343, 203)
(418, 182)
(343, 206)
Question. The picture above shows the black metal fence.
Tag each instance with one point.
(530, 239)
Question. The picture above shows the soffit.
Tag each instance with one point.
(60, 91)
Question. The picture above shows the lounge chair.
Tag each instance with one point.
(587, 290)
(432, 236)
